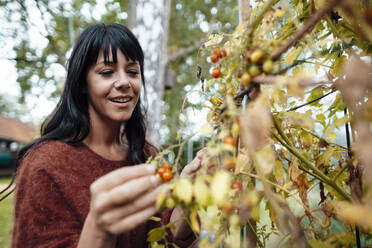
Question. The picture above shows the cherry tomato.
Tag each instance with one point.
(214, 58)
(256, 56)
(268, 66)
(167, 165)
(216, 50)
(167, 175)
(216, 72)
(254, 70)
(229, 140)
(246, 79)
(161, 170)
(227, 208)
(229, 163)
(239, 74)
(222, 88)
(236, 185)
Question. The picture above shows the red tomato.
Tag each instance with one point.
(167, 175)
(236, 185)
(216, 72)
(214, 58)
(161, 170)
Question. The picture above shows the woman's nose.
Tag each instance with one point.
(122, 81)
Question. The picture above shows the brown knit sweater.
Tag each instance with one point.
(53, 198)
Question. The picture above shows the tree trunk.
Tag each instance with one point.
(151, 28)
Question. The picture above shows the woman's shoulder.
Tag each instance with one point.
(46, 154)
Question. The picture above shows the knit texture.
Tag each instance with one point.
(52, 197)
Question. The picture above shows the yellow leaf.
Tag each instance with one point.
(332, 136)
(278, 172)
(292, 55)
(201, 192)
(220, 187)
(213, 39)
(195, 225)
(183, 190)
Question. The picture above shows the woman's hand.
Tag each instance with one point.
(194, 165)
(120, 201)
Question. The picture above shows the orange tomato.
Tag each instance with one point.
(236, 185)
(214, 58)
(167, 175)
(161, 170)
(230, 140)
(216, 72)
(229, 163)
(167, 165)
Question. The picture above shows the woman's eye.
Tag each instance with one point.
(106, 72)
(133, 73)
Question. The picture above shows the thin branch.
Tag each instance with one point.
(184, 51)
(310, 102)
(307, 27)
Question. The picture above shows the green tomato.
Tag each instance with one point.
(256, 55)
(254, 70)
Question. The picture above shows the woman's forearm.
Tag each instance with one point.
(92, 238)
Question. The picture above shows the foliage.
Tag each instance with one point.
(41, 66)
(286, 162)
(6, 217)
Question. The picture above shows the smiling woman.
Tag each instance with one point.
(113, 87)
(83, 182)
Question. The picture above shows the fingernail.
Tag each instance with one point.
(151, 168)
(155, 180)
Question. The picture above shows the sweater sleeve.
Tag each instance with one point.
(43, 217)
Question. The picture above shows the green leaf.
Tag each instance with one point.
(157, 219)
(317, 244)
(156, 234)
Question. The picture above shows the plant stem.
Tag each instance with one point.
(341, 171)
(320, 175)
(251, 229)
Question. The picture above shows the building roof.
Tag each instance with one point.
(13, 129)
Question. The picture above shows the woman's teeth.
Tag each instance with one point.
(121, 100)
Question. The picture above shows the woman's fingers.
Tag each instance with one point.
(124, 193)
(120, 176)
(120, 212)
(194, 165)
(132, 221)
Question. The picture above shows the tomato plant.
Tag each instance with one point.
(280, 143)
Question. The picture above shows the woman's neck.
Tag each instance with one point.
(103, 138)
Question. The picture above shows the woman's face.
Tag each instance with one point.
(113, 89)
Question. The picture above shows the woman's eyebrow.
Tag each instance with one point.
(133, 63)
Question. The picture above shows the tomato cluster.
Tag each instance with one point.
(165, 171)
(217, 54)
(257, 63)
